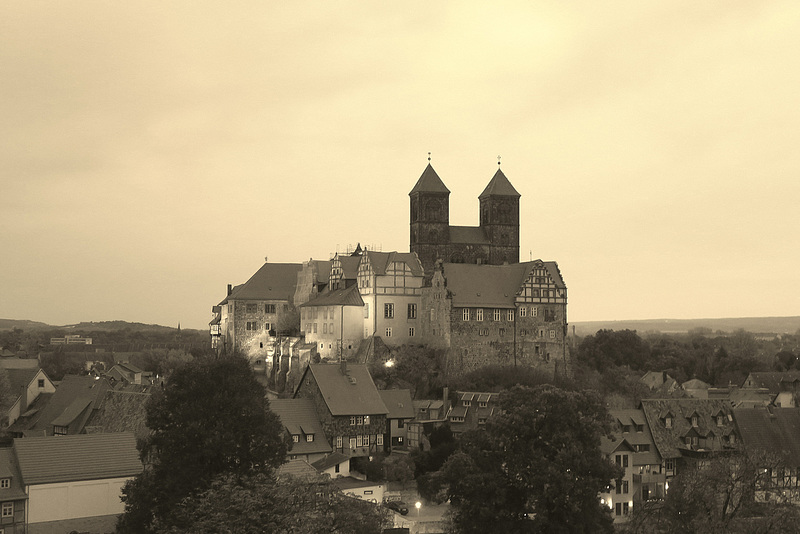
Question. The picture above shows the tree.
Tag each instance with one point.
(261, 503)
(7, 396)
(536, 467)
(211, 418)
(608, 348)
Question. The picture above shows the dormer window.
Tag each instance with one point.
(482, 404)
(60, 430)
(296, 438)
(467, 403)
(309, 438)
(668, 422)
(5, 483)
(694, 421)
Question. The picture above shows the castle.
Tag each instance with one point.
(460, 288)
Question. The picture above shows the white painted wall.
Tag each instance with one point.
(71, 500)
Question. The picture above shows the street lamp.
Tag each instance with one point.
(418, 505)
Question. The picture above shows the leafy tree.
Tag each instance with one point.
(610, 348)
(785, 360)
(262, 504)
(536, 467)
(211, 418)
(7, 396)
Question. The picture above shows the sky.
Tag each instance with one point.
(153, 152)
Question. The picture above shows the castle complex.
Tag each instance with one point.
(460, 288)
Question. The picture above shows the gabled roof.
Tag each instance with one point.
(330, 460)
(469, 234)
(350, 393)
(10, 469)
(380, 261)
(71, 392)
(21, 378)
(429, 182)
(398, 402)
(300, 419)
(695, 383)
(297, 468)
(773, 380)
(350, 266)
(772, 430)
(338, 297)
(491, 286)
(233, 290)
(610, 446)
(670, 441)
(120, 411)
(80, 457)
(273, 281)
(499, 186)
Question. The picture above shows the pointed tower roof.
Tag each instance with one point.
(429, 182)
(499, 186)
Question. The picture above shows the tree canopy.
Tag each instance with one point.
(535, 467)
(212, 418)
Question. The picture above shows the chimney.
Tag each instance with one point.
(230, 289)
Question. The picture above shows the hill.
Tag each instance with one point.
(10, 324)
(776, 325)
(89, 326)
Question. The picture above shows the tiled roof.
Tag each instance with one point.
(120, 411)
(695, 383)
(338, 297)
(300, 419)
(349, 266)
(429, 182)
(399, 403)
(633, 419)
(468, 234)
(21, 378)
(330, 460)
(350, 393)
(491, 286)
(233, 290)
(71, 389)
(772, 430)
(499, 186)
(380, 261)
(273, 281)
(10, 469)
(79, 457)
(670, 441)
(298, 469)
(773, 380)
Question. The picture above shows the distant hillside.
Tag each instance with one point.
(100, 326)
(10, 324)
(776, 325)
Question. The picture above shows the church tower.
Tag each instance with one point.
(430, 218)
(499, 205)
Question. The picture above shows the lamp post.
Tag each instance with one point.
(418, 505)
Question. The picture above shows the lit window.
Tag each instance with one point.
(309, 438)
(379, 439)
(366, 419)
(60, 430)
(388, 310)
(359, 441)
(668, 422)
(479, 314)
(295, 438)
(352, 420)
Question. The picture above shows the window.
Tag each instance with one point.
(352, 420)
(618, 509)
(379, 440)
(618, 486)
(359, 420)
(324, 328)
(410, 331)
(497, 315)
(251, 308)
(59, 430)
(5, 483)
(619, 459)
(625, 486)
(388, 310)
(315, 328)
(359, 441)
(510, 315)
(267, 327)
(552, 334)
(336, 468)
(694, 421)
(330, 328)
(523, 311)
(625, 461)
(8, 509)
(668, 422)
(352, 443)
(479, 314)
(338, 444)
(625, 508)
(41, 383)
(534, 311)
(412, 311)
(388, 331)
(366, 419)
(309, 438)
(502, 331)
(295, 438)
(269, 308)
(465, 314)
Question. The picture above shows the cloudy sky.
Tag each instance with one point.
(152, 152)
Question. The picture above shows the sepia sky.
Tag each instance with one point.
(152, 152)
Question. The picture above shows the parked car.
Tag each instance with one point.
(398, 506)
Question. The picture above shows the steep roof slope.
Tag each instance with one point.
(429, 182)
(772, 430)
(350, 393)
(273, 281)
(499, 186)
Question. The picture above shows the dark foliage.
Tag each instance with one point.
(211, 419)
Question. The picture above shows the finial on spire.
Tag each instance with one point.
(429, 157)
(498, 161)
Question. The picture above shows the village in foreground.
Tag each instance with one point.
(432, 390)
